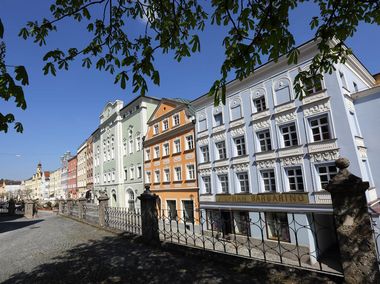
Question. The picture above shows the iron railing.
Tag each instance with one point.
(123, 219)
(305, 240)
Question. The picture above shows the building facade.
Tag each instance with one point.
(89, 168)
(118, 154)
(72, 177)
(82, 169)
(64, 173)
(170, 159)
(267, 156)
(55, 189)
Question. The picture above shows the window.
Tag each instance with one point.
(176, 119)
(320, 128)
(178, 173)
(259, 104)
(202, 125)
(113, 176)
(172, 209)
(132, 173)
(166, 175)
(156, 152)
(235, 112)
(205, 154)
(343, 80)
(218, 118)
(177, 146)
(157, 176)
(147, 154)
(269, 180)
(326, 173)
(155, 129)
(295, 179)
(223, 180)
(240, 146)
(243, 181)
(221, 148)
(189, 142)
(264, 140)
(131, 201)
(313, 85)
(289, 135)
(188, 210)
(190, 172)
(125, 149)
(130, 146)
(165, 125)
(113, 153)
(148, 177)
(277, 226)
(356, 89)
(166, 149)
(207, 184)
(139, 172)
(138, 143)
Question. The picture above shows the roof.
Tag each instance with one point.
(184, 101)
(135, 99)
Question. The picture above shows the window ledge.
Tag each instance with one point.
(189, 150)
(190, 180)
(223, 194)
(206, 194)
(177, 181)
(176, 153)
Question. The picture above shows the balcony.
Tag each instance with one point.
(323, 146)
(290, 151)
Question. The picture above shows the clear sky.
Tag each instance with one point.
(64, 110)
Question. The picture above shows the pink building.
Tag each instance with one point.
(72, 178)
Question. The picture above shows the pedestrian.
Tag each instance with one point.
(35, 210)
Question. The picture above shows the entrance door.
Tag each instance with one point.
(226, 223)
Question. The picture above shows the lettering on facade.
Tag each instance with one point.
(298, 198)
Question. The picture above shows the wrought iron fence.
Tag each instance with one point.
(123, 219)
(298, 239)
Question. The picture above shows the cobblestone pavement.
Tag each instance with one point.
(55, 249)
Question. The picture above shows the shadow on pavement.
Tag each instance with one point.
(124, 259)
(10, 223)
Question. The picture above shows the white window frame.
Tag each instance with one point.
(221, 183)
(157, 178)
(176, 119)
(175, 150)
(132, 173)
(296, 176)
(318, 117)
(155, 129)
(262, 105)
(147, 154)
(148, 177)
(242, 144)
(328, 174)
(204, 152)
(156, 153)
(288, 125)
(268, 147)
(167, 175)
(245, 180)
(218, 149)
(204, 184)
(176, 173)
(166, 149)
(165, 124)
(272, 183)
(190, 172)
(189, 142)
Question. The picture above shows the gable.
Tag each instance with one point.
(163, 108)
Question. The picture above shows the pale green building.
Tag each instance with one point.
(118, 151)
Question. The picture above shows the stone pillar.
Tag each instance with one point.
(149, 218)
(81, 205)
(69, 205)
(60, 206)
(353, 226)
(103, 204)
(28, 211)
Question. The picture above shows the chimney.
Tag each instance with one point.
(377, 79)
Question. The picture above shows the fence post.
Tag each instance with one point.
(69, 205)
(81, 202)
(28, 213)
(103, 203)
(149, 217)
(353, 226)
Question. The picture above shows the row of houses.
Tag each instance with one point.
(262, 150)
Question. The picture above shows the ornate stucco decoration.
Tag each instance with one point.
(261, 124)
(290, 161)
(236, 101)
(257, 92)
(315, 109)
(219, 137)
(201, 116)
(217, 109)
(205, 172)
(166, 161)
(189, 156)
(238, 131)
(286, 117)
(177, 159)
(324, 156)
(362, 152)
(221, 170)
(202, 142)
(268, 164)
(241, 167)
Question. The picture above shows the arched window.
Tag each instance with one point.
(235, 106)
(131, 200)
(282, 91)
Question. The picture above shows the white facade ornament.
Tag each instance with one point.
(219, 137)
(362, 152)
(221, 170)
(177, 159)
(236, 101)
(286, 117)
(201, 116)
(261, 124)
(166, 161)
(156, 163)
(315, 109)
(267, 164)
(205, 172)
(324, 156)
(202, 142)
(290, 161)
(217, 109)
(238, 131)
(189, 156)
(257, 92)
(281, 83)
(241, 167)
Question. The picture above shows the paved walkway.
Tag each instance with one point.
(54, 249)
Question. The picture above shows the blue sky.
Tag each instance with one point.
(64, 110)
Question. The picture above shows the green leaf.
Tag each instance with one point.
(22, 75)
(1, 29)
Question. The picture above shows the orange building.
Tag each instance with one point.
(170, 159)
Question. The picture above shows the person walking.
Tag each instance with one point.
(35, 210)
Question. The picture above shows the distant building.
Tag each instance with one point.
(64, 172)
(72, 178)
(37, 187)
(55, 190)
(82, 169)
(89, 168)
(170, 159)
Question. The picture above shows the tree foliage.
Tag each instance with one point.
(256, 30)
